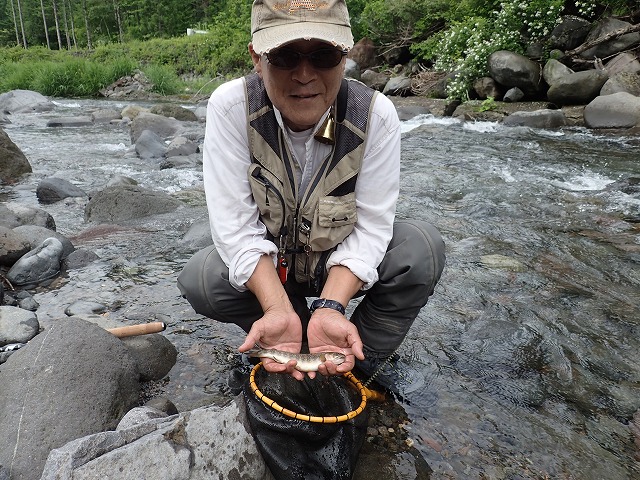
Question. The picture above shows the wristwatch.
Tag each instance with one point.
(324, 303)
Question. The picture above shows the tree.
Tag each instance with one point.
(44, 21)
(86, 24)
(24, 38)
(55, 16)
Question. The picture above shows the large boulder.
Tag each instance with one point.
(545, 118)
(54, 189)
(208, 442)
(38, 265)
(613, 45)
(622, 82)
(128, 202)
(13, 162)
(514, 70)
(13, 245)
(578, 88)
(72, 380)
(364, 53)
(24, 101)
(623, 62)
(618, 110)
(17, 325)
(569, 33)
(37, 234)
(149, 145)
(162, 126)
(554, 71)
(14, 214)
(174, 111)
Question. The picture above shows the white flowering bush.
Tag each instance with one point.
(465, 46)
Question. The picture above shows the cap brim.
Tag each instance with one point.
(276, 36)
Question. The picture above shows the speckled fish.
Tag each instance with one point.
(305, 362)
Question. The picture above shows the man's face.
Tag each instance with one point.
(303, 93)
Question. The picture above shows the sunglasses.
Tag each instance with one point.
(288, 59)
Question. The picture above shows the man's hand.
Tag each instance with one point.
(330, 331)
(280, 330)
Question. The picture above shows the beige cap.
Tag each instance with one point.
(276, 22)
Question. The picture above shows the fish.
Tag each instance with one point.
(305, 362)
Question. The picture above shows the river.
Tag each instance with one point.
(530, 346)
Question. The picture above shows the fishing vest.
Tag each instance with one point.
(307, 226)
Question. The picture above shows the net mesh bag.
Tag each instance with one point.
(302, 450)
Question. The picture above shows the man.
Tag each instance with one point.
(301, 174)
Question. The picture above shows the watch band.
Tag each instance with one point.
(324, 303)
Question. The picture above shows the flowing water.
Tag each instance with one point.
(530, 347)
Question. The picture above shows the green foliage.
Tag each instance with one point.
(163, 78)
(487, 105)
(73, 77)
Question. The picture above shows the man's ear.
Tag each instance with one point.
(256, 59)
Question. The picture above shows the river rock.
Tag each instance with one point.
(149, 146)
(73, 379)
(132, 111)
(82, 307)
(174, 111)
(618, 110)
(577, 88)
(159, 124)
(182, 146)
(352, 69)
(201, 110)
(545, 118)
(24, 101)
(198, 236)
(123, 203)
(53, 189)
(554, 70)
(513, 95)
(400, 85)
(375, 80)
(40, 264)
(622, 82)
(208, 442)
(514, 70)
(14, 214)
(17, 325)
(37, 234)
(613, 45)
(13, 245)
(486, 87)
(13, 162)
(77, 121)
(154, 355)
(105, 115)
(623, 62)
(79, 258)
(569, 33)
(364, 53)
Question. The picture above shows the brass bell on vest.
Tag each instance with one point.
(326, 132)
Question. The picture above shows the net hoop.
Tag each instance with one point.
(310, 418)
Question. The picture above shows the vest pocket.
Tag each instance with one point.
(334, 219)
(266, 190)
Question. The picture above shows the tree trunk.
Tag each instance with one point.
(15, 23)
(86, 23)
(73, 26)
(116, 11)
(24, 38)
(66, 24)
(604, 38)
(55, 16)
(44, 21)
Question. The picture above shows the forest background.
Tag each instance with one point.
(75, 48)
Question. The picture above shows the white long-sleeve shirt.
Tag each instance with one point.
(238, 234)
